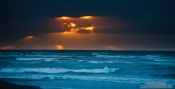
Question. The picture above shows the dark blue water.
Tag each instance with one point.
(87, 69)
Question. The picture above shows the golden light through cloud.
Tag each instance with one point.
(91, 28)
(72, 25)
(67, 32)
(76, 24)
(73, 41)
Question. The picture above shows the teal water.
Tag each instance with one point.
(75, 69)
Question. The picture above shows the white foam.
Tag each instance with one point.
(88, 78)
(58, 70)
(127, 56)
(27, 59)
(110, 62)
(110, 56)
(114, 56)
(38, 59)
(151, 57)
(97, 62)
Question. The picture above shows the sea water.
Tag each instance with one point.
(88, 69)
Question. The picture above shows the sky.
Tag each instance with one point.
(87, 24)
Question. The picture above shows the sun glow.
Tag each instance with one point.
(90, 28)
(68, 32)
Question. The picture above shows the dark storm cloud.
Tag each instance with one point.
(25, 17)
(20, 18)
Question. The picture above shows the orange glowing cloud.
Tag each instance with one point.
(59, 47)
(7, 47)
(28, 38)
(64, 17)
(90, 28)
(86, 17)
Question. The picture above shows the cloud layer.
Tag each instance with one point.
(152, 18)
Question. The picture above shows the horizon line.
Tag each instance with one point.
(80, 50)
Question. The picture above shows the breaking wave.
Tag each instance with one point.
(86, 78)
(58, 70)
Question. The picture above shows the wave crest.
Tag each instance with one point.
(58, 70)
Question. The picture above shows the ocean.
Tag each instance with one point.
(89, 69)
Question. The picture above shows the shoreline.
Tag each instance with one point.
(8, 85)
